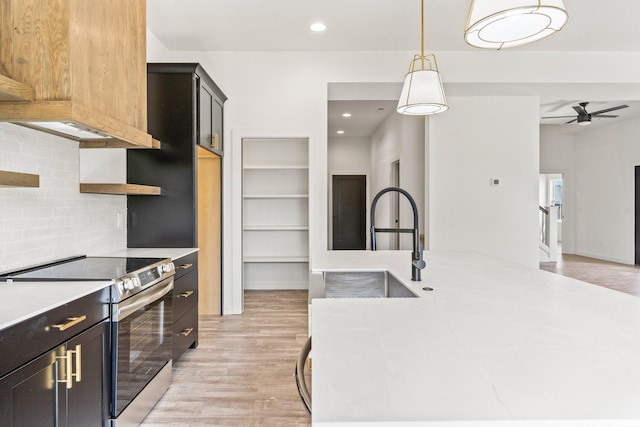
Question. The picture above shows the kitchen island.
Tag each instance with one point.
(494, 343)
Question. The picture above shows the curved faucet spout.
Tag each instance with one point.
(417, 262)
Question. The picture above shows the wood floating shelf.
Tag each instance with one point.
(116, 143)
(11, 90)
(18, 179)
(121, 189)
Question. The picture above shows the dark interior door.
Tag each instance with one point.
(349, 212)
(637, 221)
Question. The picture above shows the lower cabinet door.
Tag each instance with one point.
(88, 405)
(185, 333)
(35, 394)
(65, 387)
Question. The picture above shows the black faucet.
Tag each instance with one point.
(417, 261)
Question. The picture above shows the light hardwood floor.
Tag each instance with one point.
(621, 277)
(241, 374)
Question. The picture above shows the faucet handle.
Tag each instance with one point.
(420, 263)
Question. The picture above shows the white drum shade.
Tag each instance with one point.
(497, 24)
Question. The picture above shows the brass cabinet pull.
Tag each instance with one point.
(71, 321)
(215, 138)
(185, 332)
(78, 373)
(186, 294)
(186, 266)
(69, 366)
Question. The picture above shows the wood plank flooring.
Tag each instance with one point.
(621, 277)
(241, 374)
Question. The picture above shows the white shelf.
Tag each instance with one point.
(270, 259)
(274, 167)
(275, 196)
(276, 228)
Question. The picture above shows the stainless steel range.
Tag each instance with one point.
(141, 316)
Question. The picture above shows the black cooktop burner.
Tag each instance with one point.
(82, 268)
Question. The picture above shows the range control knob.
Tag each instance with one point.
(120, 286)
(160, 270)
(136, 282)
(168, 267)
(128, 284)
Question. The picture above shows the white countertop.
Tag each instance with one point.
(494, 344)
(22, 300)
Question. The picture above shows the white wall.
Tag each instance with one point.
(466, 212)
(54, 221)
(399, 138)
(348, 156)
(605, 189)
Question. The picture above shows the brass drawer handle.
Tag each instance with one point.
(186, 294)
(72, 321)
(185, 266)
(185, 332)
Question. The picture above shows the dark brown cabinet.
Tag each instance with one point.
(67, 385)
(185, 305)
(185, 112)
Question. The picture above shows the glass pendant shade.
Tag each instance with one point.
(497, 24)
(422, 93)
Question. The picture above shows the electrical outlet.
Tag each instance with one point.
(494, 182)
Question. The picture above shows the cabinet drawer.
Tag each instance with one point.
(185, 333)
(186, 264)
(185, 294)
(47, 330)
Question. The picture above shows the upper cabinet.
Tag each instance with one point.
(76, 69)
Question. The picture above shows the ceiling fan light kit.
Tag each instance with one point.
(422, 92)
(497, 24)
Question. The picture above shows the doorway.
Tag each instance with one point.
(349, 212)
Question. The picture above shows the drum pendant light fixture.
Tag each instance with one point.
(497, 24)
(422, 92)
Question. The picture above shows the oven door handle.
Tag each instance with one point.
(136, 302)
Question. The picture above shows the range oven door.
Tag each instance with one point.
(141, 342)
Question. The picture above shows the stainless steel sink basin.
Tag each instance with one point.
(364, 284)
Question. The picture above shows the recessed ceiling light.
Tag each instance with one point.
(346, 115)
(340, 132)
(318, 26)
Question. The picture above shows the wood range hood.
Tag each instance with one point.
(76, 68)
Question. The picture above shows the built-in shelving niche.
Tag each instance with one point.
(275, 208)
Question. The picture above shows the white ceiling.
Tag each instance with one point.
(354, 25)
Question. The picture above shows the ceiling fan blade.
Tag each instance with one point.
(571, 121)
(557, 117)
(606, 110)
(581, 111)
(606, 116)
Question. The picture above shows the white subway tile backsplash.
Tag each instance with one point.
(54, 221)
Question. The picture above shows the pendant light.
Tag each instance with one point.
(422, 92)
(497, 24)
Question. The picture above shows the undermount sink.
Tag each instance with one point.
(364, 284)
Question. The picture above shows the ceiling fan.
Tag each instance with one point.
(584, 117)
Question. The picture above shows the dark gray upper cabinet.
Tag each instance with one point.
(185, 110)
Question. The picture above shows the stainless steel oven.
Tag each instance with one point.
(141, 353)
(141, 329)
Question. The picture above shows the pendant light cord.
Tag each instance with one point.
(422, 31)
